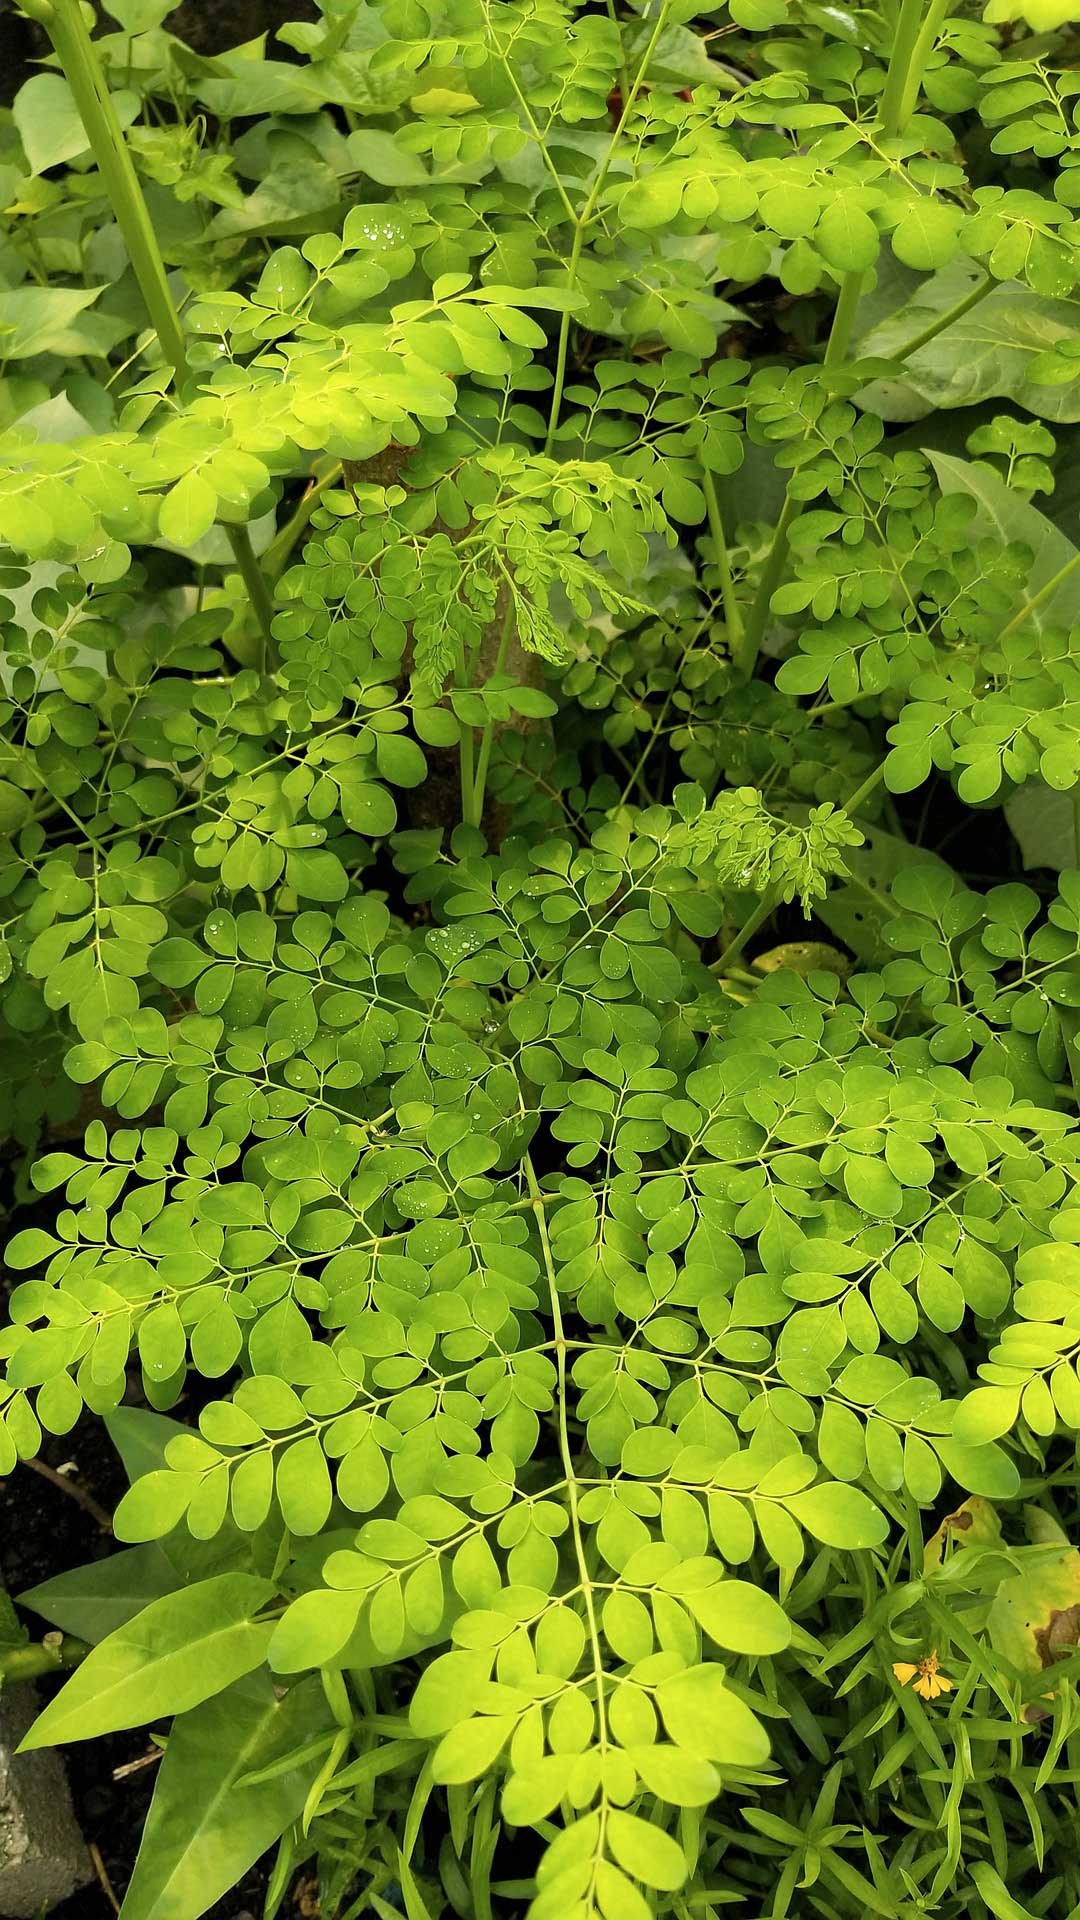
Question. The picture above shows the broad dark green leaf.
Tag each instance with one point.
(985, 354)
(92, 1601)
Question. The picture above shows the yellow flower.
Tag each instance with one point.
(928, 1681)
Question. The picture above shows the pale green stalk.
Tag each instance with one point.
(902, 69)
(873, 780)
(843, 321)
(746, 932)
(64, 23)
(277, 554)
(1048, 587)
(33, 1661)
(567, 1456)
(732, 614)
(466, 753)
(944, 320)
(771, 575)
(474, 811)
(924, 47)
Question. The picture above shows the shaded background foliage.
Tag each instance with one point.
(207, 26)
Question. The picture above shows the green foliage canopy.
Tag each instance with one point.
(629, 423)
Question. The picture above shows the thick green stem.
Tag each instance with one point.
(893, 118)
(771, 575)
(902, 71)
(563, 348)
(475, 811)
(467, 749)
(54, 1655)
(567, 1455)
(64, 23)
(843, 322)
(276, 557)
(873, 780)
(468, 784)
(251, 573)
(924, 47)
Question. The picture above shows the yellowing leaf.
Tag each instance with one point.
(974, 1524)
(1035, 1615)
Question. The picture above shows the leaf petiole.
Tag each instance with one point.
(64, 23)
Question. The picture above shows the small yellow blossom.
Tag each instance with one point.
(928, 1681)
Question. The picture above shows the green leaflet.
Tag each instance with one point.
(1012, 519)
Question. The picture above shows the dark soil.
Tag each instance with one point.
(209, 26)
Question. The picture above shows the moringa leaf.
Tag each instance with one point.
(1008, 517)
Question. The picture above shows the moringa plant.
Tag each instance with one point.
(529, 531)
